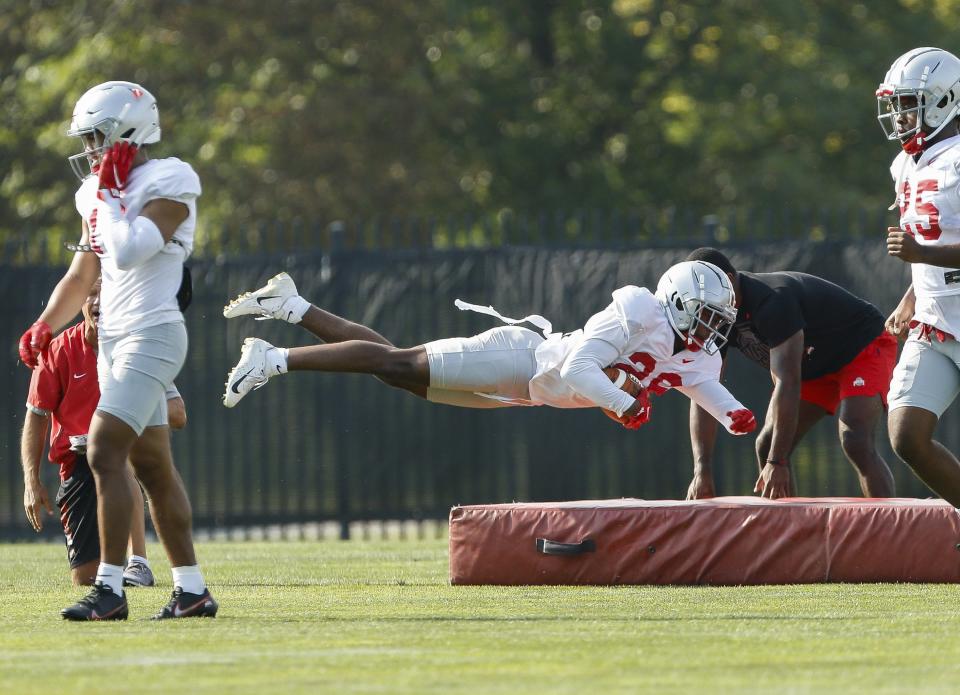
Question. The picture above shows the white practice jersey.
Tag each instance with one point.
(928, 194)
(633, 334)
(145, 295)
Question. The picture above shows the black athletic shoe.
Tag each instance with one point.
(100, 604)
(186, 605)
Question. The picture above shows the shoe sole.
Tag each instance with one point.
(202, 612)
(258, 311)
(113, 615)
(127, 582)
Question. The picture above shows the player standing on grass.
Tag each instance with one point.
(827, 352)
(63, 397)
(666, 341)
(138, 218)
(918, 103)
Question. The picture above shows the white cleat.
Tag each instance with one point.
(269, 302)
(250, 372)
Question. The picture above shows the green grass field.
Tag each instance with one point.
(379, 617)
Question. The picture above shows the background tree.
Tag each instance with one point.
(324, 110)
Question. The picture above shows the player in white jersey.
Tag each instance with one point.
(138, 217)
(667, 341)
(918, 103)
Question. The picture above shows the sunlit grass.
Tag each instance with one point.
(380, 617)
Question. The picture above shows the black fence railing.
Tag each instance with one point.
(342, 448)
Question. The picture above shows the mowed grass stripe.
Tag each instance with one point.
(379, 617)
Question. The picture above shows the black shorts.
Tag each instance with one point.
(77, 501)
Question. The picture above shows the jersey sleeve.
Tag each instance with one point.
(950, 198)
(637, 309)
(708, 368)
(604, 340)
(778, 318)
(46, 383)
(897, 166)
(174, 179)
(713, 397)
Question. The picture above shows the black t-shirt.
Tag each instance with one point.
(836, 324)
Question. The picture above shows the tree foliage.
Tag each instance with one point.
(347, 109)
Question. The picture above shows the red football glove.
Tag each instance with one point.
(34, 341)
(642, 416)
(116, 164)
(743, 421)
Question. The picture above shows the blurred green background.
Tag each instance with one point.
(338, 110)
(393, 156)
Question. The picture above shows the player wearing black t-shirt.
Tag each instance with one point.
(827, 351)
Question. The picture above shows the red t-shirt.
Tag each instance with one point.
(64, 385)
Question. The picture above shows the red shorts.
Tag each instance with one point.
(868, 374)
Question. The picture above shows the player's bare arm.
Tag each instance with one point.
(72, 290)
(898, 323)
(781, 425)
(35, 495)
(903, 245)
(168, 215)
(711, 402)
(703, 438)
(64, 304)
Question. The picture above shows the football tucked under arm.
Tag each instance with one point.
(713, 397)
(583, 372)
(630, 385)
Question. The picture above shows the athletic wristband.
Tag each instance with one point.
(779, 462)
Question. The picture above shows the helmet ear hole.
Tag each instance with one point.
(943, 101)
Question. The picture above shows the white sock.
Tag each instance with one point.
(276, 361)
(112, 576)
(136, 558)
(295, 308)
(189, 578)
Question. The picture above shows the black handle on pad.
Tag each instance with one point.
(548, 547)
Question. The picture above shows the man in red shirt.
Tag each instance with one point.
(64, 393)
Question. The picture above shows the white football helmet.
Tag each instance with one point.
(930, 78)
(116, 111)
(694, 294)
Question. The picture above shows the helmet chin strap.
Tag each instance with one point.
(920, 140)
(915, 144)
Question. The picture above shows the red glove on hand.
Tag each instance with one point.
(34, 341)
(743, 421)
(116, 164)
(642, 416)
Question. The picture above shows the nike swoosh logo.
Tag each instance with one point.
(96, 616)
(240, 381)
(272, 296)
(178, 613)
(686, 361)
(79, 376)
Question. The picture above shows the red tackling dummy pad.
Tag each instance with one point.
(726, 540)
